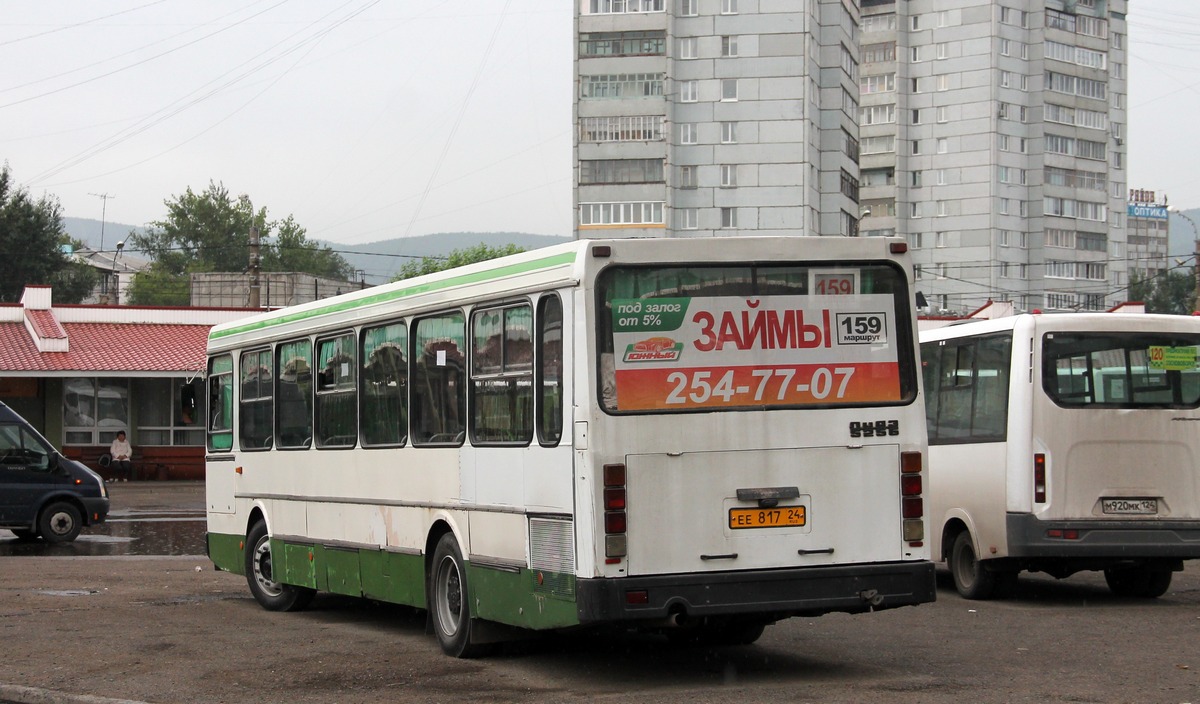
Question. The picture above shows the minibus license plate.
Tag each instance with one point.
(1130, 506)
(778, 517)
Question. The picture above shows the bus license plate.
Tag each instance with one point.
(780, 517)
(1129, 506)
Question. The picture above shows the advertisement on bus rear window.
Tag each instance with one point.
(734, 352)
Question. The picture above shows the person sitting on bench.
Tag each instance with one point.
(122, 462)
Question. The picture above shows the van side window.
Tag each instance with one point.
(966, 384)
(19, 449)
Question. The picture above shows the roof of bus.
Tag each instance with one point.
(562, 264)
(1067, 321)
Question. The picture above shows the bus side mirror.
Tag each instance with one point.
(187, 404)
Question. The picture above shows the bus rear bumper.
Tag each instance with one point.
(1030, 537)
(770, 593)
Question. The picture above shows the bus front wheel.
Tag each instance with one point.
(271, 594)
(1142, 582)
(971, 578)
(449, 603)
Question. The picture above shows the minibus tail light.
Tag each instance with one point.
(912, 505)
(1039, 478)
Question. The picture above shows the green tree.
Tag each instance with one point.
(32, 239)
(458, 257)
(210, 232)
(1173, 292)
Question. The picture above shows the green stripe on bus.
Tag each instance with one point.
(524, 598)
(460, 280)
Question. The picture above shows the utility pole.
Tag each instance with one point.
(254, 260)
(103, 210)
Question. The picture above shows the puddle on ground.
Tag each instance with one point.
(126, 532)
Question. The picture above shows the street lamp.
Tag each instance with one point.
(116, 274)
(1195, 243)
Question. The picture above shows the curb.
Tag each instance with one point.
(32, 695)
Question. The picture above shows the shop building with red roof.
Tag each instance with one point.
(80, 373)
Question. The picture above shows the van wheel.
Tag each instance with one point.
(60, 522)
(1141, 582)
(269, 593)
(971, 578)
(449, 603)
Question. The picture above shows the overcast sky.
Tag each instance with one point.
(370, 119)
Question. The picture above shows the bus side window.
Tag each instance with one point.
(990, 412)
(220, 403)
(550, 370)
(293, 408)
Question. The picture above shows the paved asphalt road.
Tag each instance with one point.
(91, 629)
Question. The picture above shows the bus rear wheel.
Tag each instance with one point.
(971, 578)
(449, 601)
(272, 595)
(1141, 582)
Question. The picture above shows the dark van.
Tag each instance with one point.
(43, 493)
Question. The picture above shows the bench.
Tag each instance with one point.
(149, 461)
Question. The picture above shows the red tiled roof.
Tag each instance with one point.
(108, 347)
(45, 324)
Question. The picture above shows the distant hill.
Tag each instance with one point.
(379, 261)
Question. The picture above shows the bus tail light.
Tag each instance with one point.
(1039, 478)
(616, 545)
(912, 505)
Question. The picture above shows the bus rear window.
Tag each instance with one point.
(1121, 370)
(703, 338)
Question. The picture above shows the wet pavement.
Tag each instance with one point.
(145, 518)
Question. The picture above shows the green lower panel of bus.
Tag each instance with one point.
(227, 552)
(516, 597)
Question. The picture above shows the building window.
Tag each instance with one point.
(95, 409)
(687, 8)
(687, 176)
(687, 48)
(689, 91)
(943, 114)
(617, 7)
(728, 133)
(849, 186)
(167, 412)
(729, 218)
(943, 50)
(687, 218)
(729, 7)
(625, 128)
(729, 89)
(649, 43)
(632, 214)
(877, 114)
(884, 83)
(621, 86)
(916, 116)
(728, 176)
(605, 171)
(879, 23)
(729, 45)
(915, 179)
(878, 53)
(914, 210)
(687, 133)
(943, 145)
(915, 146)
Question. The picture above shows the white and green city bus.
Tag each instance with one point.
(698, 436)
